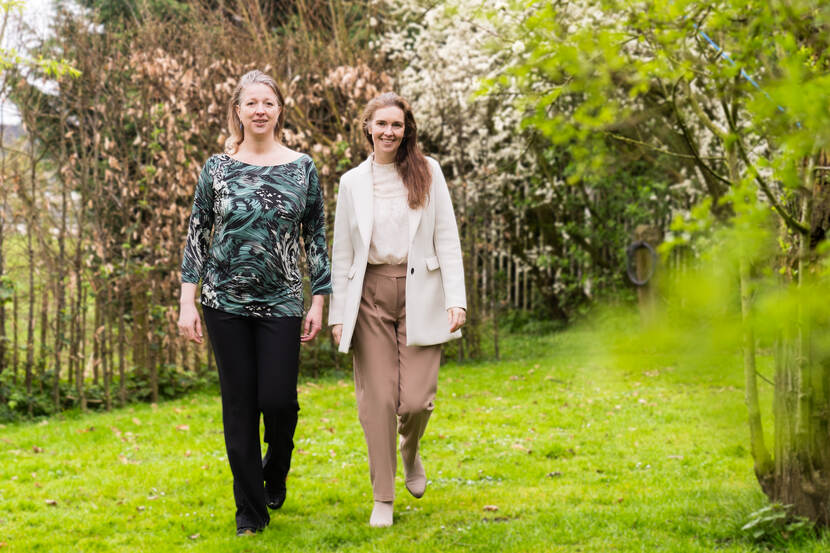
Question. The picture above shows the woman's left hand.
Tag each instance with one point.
(313, 320)
(457, 317)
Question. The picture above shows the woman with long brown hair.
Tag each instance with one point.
(398, 292)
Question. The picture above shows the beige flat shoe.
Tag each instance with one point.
(416, 478)
(381, 514)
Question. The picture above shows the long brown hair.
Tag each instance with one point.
(410, 162)
(234, 123)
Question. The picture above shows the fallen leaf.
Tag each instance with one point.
(183, 427)
(52, 502)
(38, 485)
(140, 508)
(554, 474)
(187, 453)
(37, 449)
(193, 536)
(491, 508)
(136, 422)
(619, 500)
(205, 467)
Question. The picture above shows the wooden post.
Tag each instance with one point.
(645, 268)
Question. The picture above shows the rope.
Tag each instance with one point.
(721, 53)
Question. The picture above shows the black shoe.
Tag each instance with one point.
(275, 495)
(246, 531)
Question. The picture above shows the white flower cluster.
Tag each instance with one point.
(444, 52)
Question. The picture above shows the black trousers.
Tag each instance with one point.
(258, 362)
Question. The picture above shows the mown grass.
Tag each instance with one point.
(551, 449)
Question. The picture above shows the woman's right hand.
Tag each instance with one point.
(337, 333)
(190, 326)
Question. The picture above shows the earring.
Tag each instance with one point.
(240, 125)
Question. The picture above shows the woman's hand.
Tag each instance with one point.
(456, 317)
(190, 326)
(337, 333)
(313, 319)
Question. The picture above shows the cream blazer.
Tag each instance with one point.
(434, 273)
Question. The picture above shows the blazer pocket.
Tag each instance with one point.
(432, 263)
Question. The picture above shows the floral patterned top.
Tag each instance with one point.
(255, 212)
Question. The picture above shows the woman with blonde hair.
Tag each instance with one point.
(251, 206)
(398, 292)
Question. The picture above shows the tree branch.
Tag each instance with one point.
(789, 220)
(692, 147)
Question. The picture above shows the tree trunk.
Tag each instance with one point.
(60, 278)
(15, 340)
(106, 358)
(96, 339)
(59, 339)
(122, 346)
(30, 258)
(44, 326)
(156, 353)
(3, 209)
(73, 333)
(760, 453)
(82, 366)
(802, 464)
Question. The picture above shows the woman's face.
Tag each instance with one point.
(387, 128)
(258, 109)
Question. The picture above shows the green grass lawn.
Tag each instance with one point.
(551, 449)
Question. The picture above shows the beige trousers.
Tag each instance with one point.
(395, 384)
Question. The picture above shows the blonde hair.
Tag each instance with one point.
(237, 132)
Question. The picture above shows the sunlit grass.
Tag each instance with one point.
(552, 449)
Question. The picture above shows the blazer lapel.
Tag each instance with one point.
(363, 197)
